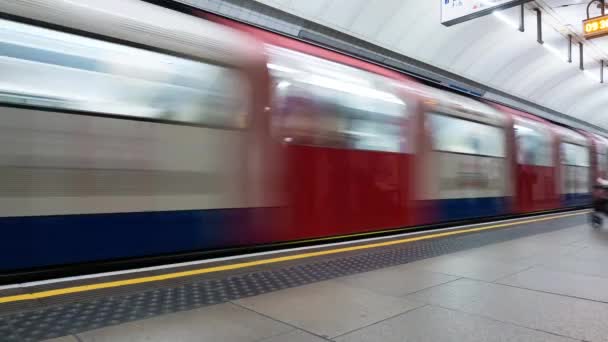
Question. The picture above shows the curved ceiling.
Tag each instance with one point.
(489, 50)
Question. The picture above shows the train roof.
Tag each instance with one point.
(462, 106)
(526, 119)
(141, 23)
(529, 122)
(600, 140)
(518, 113)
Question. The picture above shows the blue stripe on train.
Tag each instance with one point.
(573, 200)
(466, 208)
(39, 241)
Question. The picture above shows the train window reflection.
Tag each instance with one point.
(534, 145)
(451, 134)
(575, 155)
(47, 68)
(322, 103)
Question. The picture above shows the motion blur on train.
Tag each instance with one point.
(148, 132)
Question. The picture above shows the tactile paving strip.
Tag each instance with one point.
(6, 332)
(71, 318)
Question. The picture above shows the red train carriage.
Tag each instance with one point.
(535, 157)
(462, 159)
(346, 129)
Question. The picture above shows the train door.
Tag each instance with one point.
(466, 162)
(345, 133)
(535, 172)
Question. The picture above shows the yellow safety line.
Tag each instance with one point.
(118, 283)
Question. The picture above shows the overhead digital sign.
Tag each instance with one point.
(595, 27)
(458, 11)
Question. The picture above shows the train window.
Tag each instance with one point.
(602, 159)
(575, 155)
(534, 146)
(52, 69)
(322, 103)
(602, 162)
(451, 134)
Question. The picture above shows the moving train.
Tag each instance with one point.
(147, 132)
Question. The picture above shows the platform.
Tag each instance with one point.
(533, 279)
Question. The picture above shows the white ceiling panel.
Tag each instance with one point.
(342, 13)
(309, 7)
(391, 32)
(579, 87)
(375, 16)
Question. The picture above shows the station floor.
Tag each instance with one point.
(539, 278)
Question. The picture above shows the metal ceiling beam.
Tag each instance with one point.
(522, 21)
(539, 26)
(602, 6)
(581, 57)
(569, 48)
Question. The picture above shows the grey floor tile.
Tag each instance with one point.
(593, 238)
(586, 243)
(328, 308)
(510, 251)
(295, 336)
(223, 322)
(569, 284)
(473, 267)
(563, 237)
(571, 264)
(596, 253)
(566, 316)
(396, 281)
(434, 324)
(540, 259)
(520, 251)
